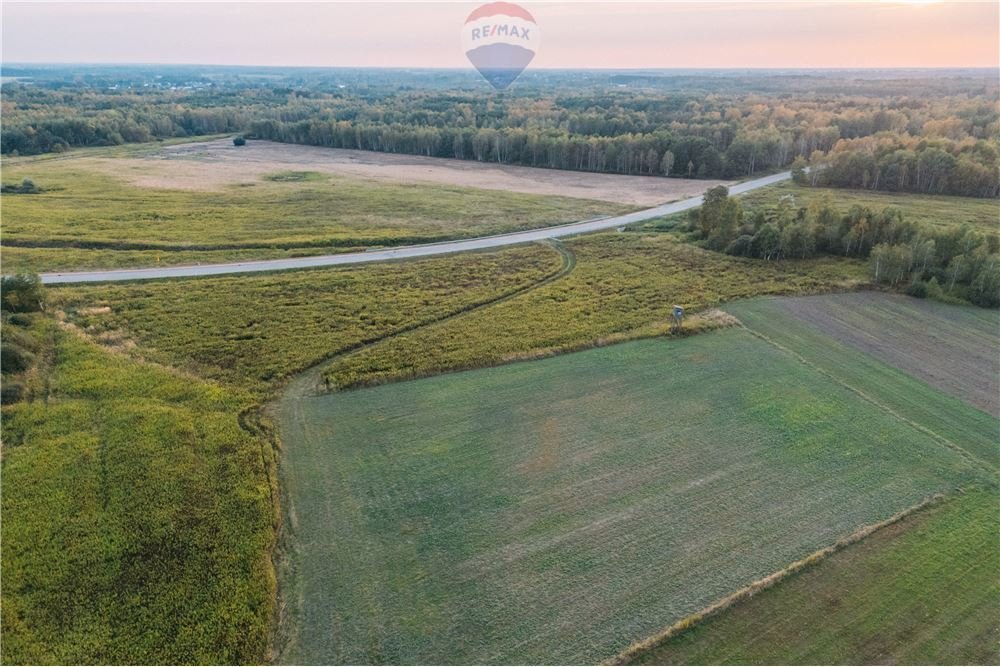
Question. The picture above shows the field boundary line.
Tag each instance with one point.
(968, 456)
(769, 581)
(708, 320)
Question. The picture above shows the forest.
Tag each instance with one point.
(901, 133)
(956, 263)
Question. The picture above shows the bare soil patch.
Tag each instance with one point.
(212, 165)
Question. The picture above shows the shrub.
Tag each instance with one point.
(741, 246)
(918, 288)
(21, 293)
(20, 319)
(14, 358)
(11, 392)
(985, 288)
(934, 290)
(27, 187)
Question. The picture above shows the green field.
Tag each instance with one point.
(935, 210)
(137, 515)
(923, 591)
(85, 216)
(557, 511)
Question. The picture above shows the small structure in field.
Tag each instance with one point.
(676, 319)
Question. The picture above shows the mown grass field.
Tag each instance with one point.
(85, 210)
(558, 510)
(923, 591)
(935, 210)
(137, 516)
(954, 421)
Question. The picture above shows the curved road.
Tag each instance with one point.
(403, 252)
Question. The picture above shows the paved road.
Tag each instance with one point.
(403, 252)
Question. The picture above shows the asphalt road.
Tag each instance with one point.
(406, 252)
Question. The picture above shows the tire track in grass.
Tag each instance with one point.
(961, 451)
(309, 382)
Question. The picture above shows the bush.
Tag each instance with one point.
(21, 293)
(741, 246)
(239, 140)
(20, 319)
(917, 288)
(11, 392)
(985, 288)
(27, 187)
(14, 358)
(934, 290)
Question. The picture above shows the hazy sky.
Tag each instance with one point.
(419, 34)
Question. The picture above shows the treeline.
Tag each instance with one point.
(959, 262)
(38, 120)
(929, 164)
(940, 141)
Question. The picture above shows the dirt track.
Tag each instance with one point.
(214, 164)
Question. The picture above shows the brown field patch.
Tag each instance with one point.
(212, 165)
(951, 348)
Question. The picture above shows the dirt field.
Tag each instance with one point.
(211, 165)
(951, 348)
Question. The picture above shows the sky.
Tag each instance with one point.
(874, 34)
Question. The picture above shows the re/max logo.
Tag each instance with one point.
(500, 30)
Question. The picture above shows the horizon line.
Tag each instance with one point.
(532, 69)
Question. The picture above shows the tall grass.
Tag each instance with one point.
(138, 517)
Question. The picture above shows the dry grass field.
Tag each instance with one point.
(215, 164)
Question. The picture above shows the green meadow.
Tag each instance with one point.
(138, 515)
(558, 510)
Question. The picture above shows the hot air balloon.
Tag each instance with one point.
(500, 39)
